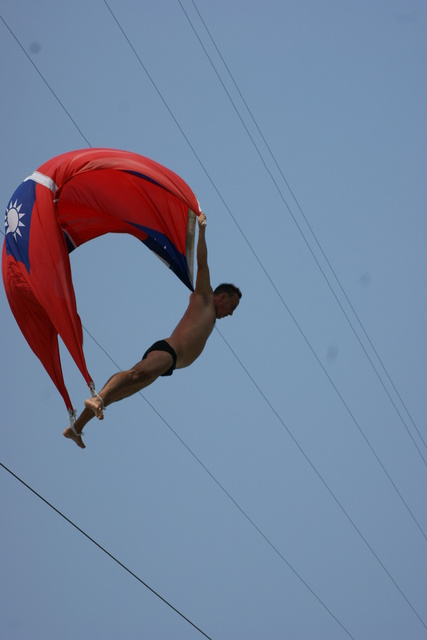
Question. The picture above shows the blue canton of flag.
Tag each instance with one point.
(18, 222)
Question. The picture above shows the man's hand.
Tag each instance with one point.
(201, 219)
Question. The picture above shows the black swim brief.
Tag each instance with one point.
(162, 345)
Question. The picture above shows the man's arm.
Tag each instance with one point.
(203, 282)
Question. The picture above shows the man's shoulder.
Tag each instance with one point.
(202, 297)
(201, 303)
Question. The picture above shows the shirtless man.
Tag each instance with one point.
(176, 352)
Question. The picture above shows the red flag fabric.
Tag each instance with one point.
(68, 201)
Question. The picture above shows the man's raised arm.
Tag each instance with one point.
(203, 283)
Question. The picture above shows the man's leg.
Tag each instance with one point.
(121, 385)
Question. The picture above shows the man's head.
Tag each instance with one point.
(226, 299)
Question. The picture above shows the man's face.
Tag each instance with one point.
(225, 304)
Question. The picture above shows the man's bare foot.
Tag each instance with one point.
(69, 433)
(96, 405)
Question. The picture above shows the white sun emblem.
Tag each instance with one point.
(13, 219)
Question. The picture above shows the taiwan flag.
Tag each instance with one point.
(68, 201)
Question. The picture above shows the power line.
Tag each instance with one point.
(306, 221)
(110, 555)
(219, 485)
(248, 374)
(256, 257)
(325, 484)
(346, 406)
(155, 410)
(45, 81)
(224, 490)
(246, 516)
(306, 457)
(245, 237)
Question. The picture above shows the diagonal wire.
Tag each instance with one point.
(223, 489)
(353, 418)
(229, 496)
(260, 262)
(239, 361)
(45, 81)
(110, 555)
(174, 432)
(301, 450)
(332, 290)
(325, 484)
(234, 218)
(250, 246)
(307, 223)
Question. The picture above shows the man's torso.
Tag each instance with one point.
(190, 335)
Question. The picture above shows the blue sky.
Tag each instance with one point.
(276, 488)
